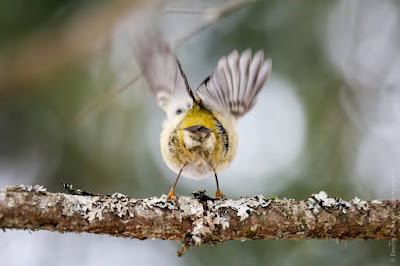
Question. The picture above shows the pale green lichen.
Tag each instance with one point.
(215, 213)
(161, 203)
(206, 214)
(243, 206)
(94, 207)
(27, 188)
(360, 204)
(76, 204)
(222, 221)
(118, 195)
(206, 221)
(200, 230)
(190, 207)
(321, 200)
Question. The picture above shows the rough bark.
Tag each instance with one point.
(200, 220)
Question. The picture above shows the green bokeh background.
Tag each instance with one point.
(109, 153)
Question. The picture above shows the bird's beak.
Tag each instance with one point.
(198, 129)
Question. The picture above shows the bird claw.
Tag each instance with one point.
(171, 196)
(219, 194)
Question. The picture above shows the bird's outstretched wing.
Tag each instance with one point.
(163, 74)
(235, 83)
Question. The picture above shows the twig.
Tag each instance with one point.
(200, 220)
(106, 98)
(210, 16)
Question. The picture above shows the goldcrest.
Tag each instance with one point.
(199, 137)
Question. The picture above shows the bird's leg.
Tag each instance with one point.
(218, 194)
(171, 194)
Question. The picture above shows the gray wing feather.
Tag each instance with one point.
(235, 83)
(163, 74)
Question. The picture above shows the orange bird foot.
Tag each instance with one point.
(171, 195)
(219, 194)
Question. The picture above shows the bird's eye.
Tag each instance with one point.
(179, 111)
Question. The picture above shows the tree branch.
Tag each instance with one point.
(200, 220)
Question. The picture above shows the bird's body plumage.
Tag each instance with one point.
(199, 134)
(202, 156)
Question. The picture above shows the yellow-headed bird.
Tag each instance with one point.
(199, 136)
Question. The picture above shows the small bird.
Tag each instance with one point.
(199, 136)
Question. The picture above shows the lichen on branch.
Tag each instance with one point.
(199, 220)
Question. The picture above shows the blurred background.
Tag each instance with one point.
(328, 118)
